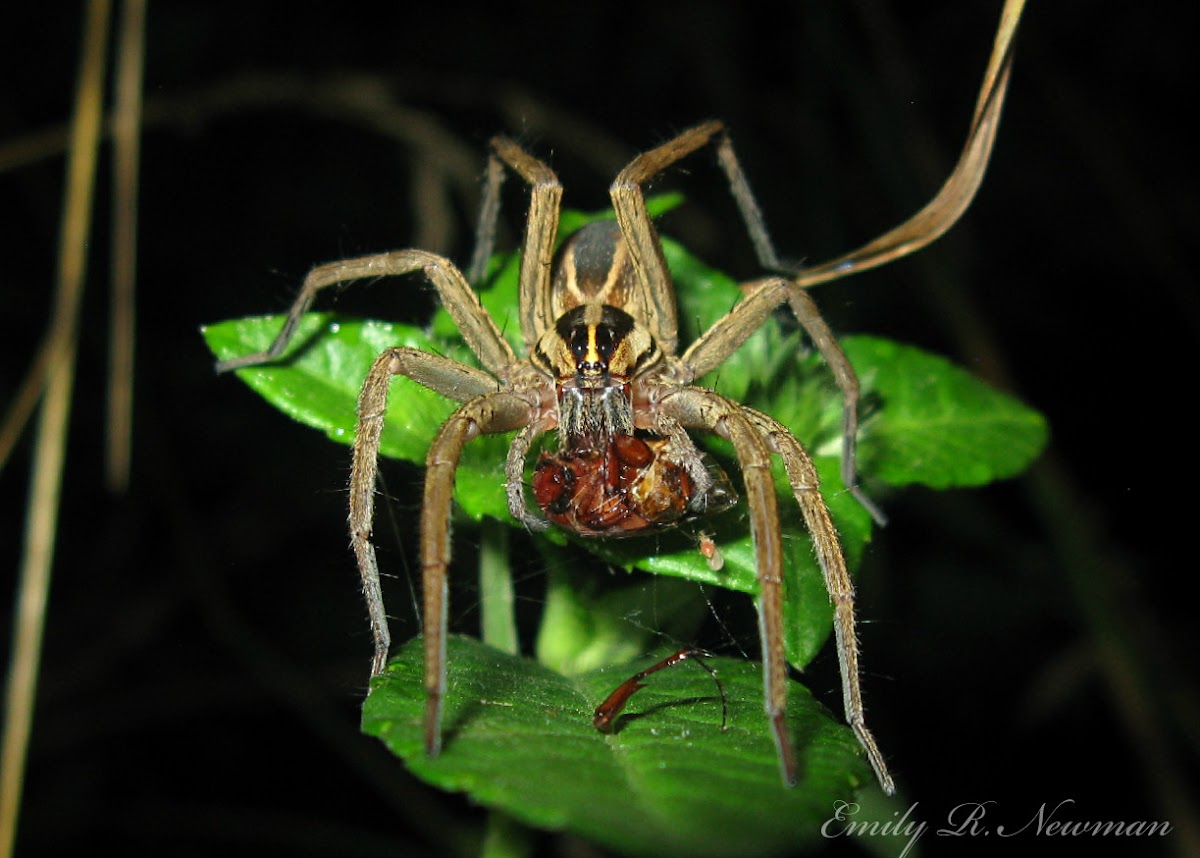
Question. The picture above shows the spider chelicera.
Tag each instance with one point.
(602, 370)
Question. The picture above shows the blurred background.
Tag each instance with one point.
(206, 650)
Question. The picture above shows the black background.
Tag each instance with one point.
(1026, 643)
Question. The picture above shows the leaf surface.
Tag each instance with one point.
(519, 737)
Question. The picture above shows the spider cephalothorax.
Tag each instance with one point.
(604, 479)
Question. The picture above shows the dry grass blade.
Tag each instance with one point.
(46, 483)
(22, 406)
(944, 210)
(126, 126)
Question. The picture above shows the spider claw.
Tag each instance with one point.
(783, 749)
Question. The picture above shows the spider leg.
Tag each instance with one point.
(514, 472)
(802, 475)
(645, 250)
(755, 438)
(460, 300)
(487, 413)
(495, 412)
(537, 251)
(489, 214)
(704, 409)
(729, 332)
(806, 312)
(445, 376)
(686, 454)
(450, 378)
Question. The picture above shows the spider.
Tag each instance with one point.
(603, 371)
(601, 332)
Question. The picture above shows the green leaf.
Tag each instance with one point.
(317, 381)
(940, 426)
(519, 737)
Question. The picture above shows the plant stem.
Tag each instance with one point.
(505, 837)
(499, 620)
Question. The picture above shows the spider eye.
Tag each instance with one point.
(588, 338)
(579, 342)
(592, 346)
(604, 342)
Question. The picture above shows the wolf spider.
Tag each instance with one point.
(601, 332)
(602, 371)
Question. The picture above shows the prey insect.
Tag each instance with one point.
(602, 370)
(625, 485)
(607, 712)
